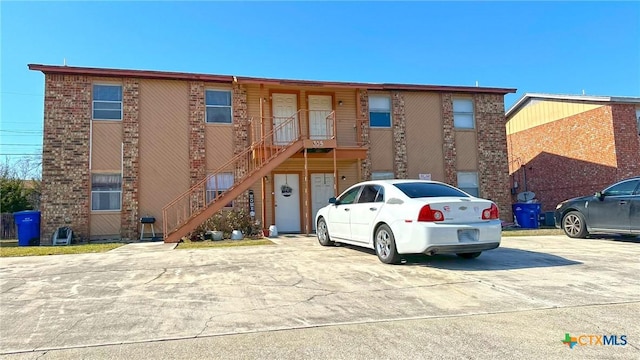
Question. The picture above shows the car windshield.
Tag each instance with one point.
(421, 189)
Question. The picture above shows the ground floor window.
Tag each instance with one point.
(382, 175)
(217, 184)
(468, 182)
(106, 191)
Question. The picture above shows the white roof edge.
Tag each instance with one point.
(589, 98)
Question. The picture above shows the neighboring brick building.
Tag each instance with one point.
(563, 146)
(123, 144)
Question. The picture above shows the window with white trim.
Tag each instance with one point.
(379, 111)
(468, 182)
(463, 114)
(382, 175)
(106, 192)
(218, 106)
(217, 184)
(107, 102)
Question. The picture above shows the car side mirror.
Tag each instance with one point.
(334, 201)
(599, 195)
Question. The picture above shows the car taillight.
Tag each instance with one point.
(427, 214)
(490, 213)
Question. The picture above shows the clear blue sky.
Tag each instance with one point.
(534, 47)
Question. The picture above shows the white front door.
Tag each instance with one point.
(321, 191)
(287, 202)
(320, 107)
(285, 108)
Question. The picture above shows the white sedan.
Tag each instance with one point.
(409, 217)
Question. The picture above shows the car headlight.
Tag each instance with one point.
(560, 205)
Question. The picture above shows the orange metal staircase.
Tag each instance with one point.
(192, 208)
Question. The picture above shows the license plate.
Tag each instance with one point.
(468, 235)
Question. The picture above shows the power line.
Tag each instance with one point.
(19, 93)
(22, 131)
(22, 154)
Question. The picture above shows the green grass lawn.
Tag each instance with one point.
(223, 243)
(11, 248)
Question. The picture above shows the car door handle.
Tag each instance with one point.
(346, 209)
(622, 202)
(373, 209)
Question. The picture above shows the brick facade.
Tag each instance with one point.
(129, 215)
(66, 178)
(627, 140)
(399, 136)
(576, 155)
(493, 168)
(449, 141)
(197, 144)
(363, 113)
(240, 139)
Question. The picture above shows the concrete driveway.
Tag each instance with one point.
(142, 294)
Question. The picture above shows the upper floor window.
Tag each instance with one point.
(468, 182)
(463, 114)
(107, 102)
(218, 103)
(379, 111)
(106, 191)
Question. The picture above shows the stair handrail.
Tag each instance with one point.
(224, 168)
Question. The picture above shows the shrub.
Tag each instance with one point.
(227, 221)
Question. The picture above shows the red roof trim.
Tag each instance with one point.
(147, 74)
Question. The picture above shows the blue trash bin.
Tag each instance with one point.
(28, 223)
(527, 214)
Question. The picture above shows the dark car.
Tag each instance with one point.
(614, 210)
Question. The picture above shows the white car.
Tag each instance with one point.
(397, 217)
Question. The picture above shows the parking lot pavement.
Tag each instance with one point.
(132, 298)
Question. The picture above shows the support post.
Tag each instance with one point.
(306, 193)
(335, 174)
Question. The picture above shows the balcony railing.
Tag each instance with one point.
(313, 125)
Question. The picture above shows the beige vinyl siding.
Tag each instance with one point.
(164, 145)
(346, 115)
(381, 149)
(466, 151)
(219, 145)
(539, 112)
(423, 114)
(106, 146)
(105, 225)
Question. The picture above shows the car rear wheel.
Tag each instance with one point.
(323, 233)
(385, 244)
(472, 255)
(574, 225)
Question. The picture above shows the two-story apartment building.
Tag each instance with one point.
(564, 146)
(124, 144)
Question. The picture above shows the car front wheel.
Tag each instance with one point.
(574, 225)
(385, 244)
(323, 233)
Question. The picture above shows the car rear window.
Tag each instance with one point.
(419, 189)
